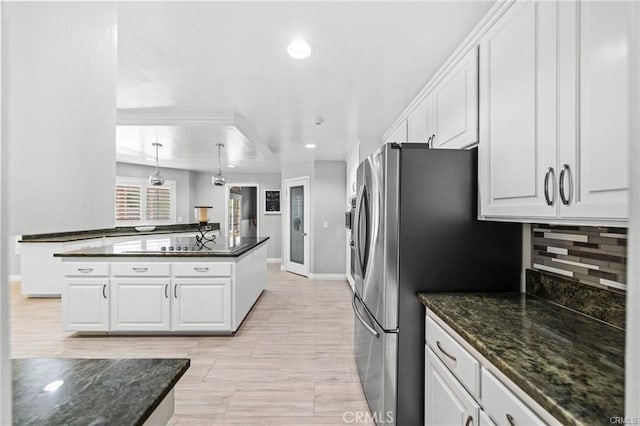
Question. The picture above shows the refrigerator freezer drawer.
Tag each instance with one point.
(453, 355)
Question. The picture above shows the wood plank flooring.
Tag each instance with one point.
(290, 363)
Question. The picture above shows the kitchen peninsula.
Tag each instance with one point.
(157, 285)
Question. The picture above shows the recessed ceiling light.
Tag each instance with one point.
(231, 166)
(299, 49)
(310, 145)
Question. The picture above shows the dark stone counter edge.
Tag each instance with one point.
(534, 393)
(120, 231)
(147, 413)
(238, 253)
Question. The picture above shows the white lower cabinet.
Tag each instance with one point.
(140, 304)
(450, 388)
(446, 401)
(201, 305)
(85, 304)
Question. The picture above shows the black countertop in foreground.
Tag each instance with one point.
(570, 364)
(150, 247)
(93, 392)
(120, 231)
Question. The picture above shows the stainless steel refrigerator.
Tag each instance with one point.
(416, 230)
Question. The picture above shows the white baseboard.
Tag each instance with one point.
(352, 283)
(327, 277)
(14, 278)
(274, 260)
(283, 267)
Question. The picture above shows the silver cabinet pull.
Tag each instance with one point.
(85, 270)
(511, 420)
(565, 197)
(200, 269)
(447, 354)
(140, 269)
(469, 421)
(166, 291)
(360, 318)
(550, 173)
(175, 291)
(104, 291)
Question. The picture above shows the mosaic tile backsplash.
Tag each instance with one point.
(596, 256)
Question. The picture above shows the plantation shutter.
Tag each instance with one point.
(128, 203)
(158, 203)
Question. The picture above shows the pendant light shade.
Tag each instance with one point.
(218, 179)
(156, 178)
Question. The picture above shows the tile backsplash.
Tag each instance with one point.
(595, 256)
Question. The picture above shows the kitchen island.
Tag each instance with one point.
(162, 285)
(95, 391)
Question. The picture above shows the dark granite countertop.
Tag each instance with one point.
(93, 392)
(120, 231)
(151, 247)
(571, 364)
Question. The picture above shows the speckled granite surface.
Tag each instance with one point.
(94, 392)
(570, 364)
(151, 248)
(605, 305)
(120, 231)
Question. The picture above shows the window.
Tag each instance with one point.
(138, 202)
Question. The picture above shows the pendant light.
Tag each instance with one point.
(156, 178)
(218, 179)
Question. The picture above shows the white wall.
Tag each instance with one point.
(59, 117)
(205, 193)
(327, 204)
(183, 178)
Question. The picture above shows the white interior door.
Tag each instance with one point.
(297, 226)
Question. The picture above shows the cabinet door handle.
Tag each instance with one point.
(104, 291)
(550, 173)
(200, 269)
(447, 354)
(175, 291)
(140, 269)
(511, 420)
(566, 199)
(469, 421)
(166, 291)
(85, 270)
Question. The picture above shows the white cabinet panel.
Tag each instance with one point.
(140, 304)
(420, 122)
(140, 269)
(99, 269)
(455, 101)
(201, 304)
(594, 60)
(85, 305)
(202, 269)
(446, 401)
(503, 405)
(517, 144)
(400, 134)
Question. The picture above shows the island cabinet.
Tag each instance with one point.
(460, 388)
(162, 294)
(554, 113)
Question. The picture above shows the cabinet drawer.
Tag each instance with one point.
(141, 269)
(83, 269)
(503, 405)
(453, 355)
(195, 269)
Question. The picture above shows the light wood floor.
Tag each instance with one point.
(290, 363)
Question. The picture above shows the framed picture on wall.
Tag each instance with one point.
(271, 201)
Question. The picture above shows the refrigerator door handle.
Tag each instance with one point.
(356, 231)
(360, 318)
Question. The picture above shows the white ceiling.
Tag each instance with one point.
(368, 60)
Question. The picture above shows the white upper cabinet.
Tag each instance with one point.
(455, 105)
(554, 113)
(420, 122)
(400, 134)
(517, 152)
(595, 44)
